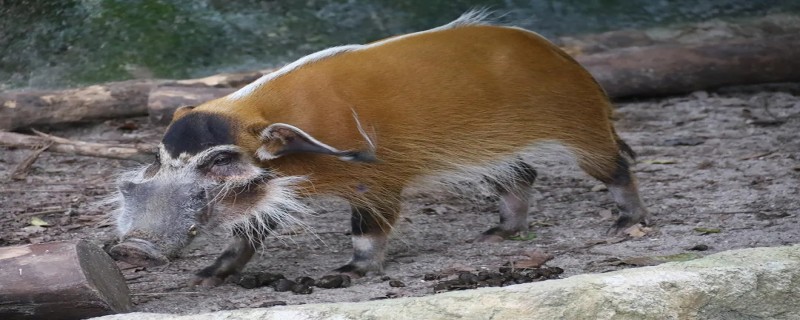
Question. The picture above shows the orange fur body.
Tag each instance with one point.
(433, 102)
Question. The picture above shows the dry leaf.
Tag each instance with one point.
(660, 161)
(707, 230)
(637, 231)
(605, 214)
(536, 258)
(36, 221)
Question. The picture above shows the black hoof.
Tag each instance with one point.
(351, 270)
(623, 223)
(495, 234)
(207, 281)
(209, 277)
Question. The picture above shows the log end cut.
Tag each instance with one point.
(60, 280)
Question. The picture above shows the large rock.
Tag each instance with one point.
(760, 283)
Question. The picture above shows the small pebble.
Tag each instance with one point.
(302, 289)
(441, 287)
(396, 284)
(430, 277)
(248, 281)
(699, 247)
(283, 285)
(468, 278)
(333, 281)
(308, 281)
(494, 282)
(272, 304)
(267, 279)
(386, 278)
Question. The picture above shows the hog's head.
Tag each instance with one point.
(211, 170)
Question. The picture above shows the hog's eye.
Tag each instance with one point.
(222, 159)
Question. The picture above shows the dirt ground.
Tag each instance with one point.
(720, 169)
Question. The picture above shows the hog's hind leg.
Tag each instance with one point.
(514, 202)
(613, 169)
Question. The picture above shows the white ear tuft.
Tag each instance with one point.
(264, 155)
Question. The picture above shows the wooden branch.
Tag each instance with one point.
(21, 171)
(673, 69)
(60, 280)
(140, 153)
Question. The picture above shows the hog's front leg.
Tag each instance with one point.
(370, 231)
(235, 256)
(230, 262)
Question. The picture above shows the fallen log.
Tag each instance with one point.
(673, 69)
(29, 108)
(139, 152)
(26, 108)
(60, 280)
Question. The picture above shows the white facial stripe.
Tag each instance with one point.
(206, 154)
(185, 165)
(474, 17)
(185, 159)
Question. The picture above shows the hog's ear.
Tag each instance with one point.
(180, 112)
(280, 139)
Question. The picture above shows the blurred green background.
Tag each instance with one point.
(48, 43)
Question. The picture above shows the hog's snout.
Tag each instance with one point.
(138, 252)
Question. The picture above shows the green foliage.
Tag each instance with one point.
(51, 43)
(166, 37)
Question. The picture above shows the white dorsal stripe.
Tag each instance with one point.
(316, 56)
(475, 17)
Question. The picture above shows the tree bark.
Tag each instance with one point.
(60, 280)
